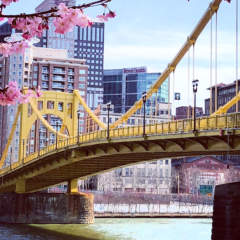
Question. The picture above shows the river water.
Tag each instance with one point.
(113, 229)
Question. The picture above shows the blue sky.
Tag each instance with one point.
(149, 33)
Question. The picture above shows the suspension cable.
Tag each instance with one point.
(169, 85)
(237, 53)
(216, 63)
(156, 105)
(193, 69)
(211, 68)
(189, 83)
(193, 62)
(173, 89)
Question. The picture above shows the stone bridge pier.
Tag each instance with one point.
(226, 212)
(46, 208)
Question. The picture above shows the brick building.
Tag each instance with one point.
(200, 175)
(184, 112)
(51, 69)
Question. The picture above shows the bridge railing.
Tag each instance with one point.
(217, 122)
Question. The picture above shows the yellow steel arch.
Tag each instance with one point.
(5, 152)
(224, 109)
(61, 104)
(213, 7)
(88, 110)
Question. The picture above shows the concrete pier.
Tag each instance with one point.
(46, 208)
(226, 212)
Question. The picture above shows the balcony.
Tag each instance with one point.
(58, 78)
(61, 86)
(45, 86)
(58, 71)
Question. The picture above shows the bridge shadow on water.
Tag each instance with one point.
(54, 231)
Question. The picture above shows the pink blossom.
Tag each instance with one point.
(84, 21)
(19, 47)
(12, 95)
(8, 2)
(102, 18)
(111, 14)
(5, 49)
(1, 19)
(24, 98)
(105, 17)
(63, 9)
(62, 26)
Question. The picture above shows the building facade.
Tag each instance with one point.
(150, 177)
(185, 112)
(123, 87)
(51, 69)
(200, 175)
(136, 119)
(83, 43)
(225, 92)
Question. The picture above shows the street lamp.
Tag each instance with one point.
(144, 99)
(195, 86)
(108, 120)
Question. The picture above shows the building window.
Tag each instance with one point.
(82, 79)
(82, 71)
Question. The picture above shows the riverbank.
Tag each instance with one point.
(153, 215)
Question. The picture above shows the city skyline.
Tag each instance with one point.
(137, 38)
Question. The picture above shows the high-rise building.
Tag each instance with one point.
(11, 69)
(52, 70)
(123, 87)
(89, 45)
(84, 43)
(225, 92)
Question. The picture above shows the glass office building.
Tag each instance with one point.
(123, 87)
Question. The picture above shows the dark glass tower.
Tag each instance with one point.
(123, 87)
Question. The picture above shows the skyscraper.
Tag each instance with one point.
(52, 70)
(84, 43)
(123, 87)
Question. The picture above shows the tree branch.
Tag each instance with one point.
(53, 10)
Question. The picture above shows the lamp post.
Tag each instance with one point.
(144, 99)
(195, 87)
(108, 119)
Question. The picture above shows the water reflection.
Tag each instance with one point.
(113, 229)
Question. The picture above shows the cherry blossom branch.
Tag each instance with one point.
(53, 10)
(11, 94)
(32, 25)
(64, 19)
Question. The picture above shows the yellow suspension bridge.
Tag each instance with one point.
(75, 156)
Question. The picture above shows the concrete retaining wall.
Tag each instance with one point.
(226, 212)
(46, 208)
